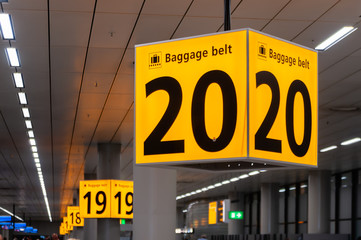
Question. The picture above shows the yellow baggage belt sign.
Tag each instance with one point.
(225, 97)
(74, 219)
(106, 199)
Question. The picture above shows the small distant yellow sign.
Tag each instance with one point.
(122, 199)
(94, 199)
(106, 199)
(74, 219)
(238, 95)
(67, 226)
(212, 213)
(62, 230)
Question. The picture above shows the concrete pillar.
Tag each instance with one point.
(154, 203)
(108, 168)
(236, 227)
(319, 203)
(90, 224)
(269, 208)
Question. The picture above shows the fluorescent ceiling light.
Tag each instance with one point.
(31, 133)
(243, 176)
(198, 191)
(204, 189)
(36, 160)
(37, 165)
(18, 79)
(335, 38)
(22, 98)
(263, 171)
(26, 112)
(34, 149)
(13, 57)
(28, 125)
(292, 188)
(32, 141)
(253, 173)
(328, 148)
(6, 27)
(282, 190)
(39, 171)
(226, 182)
(303, 186)
(351, 141)
(35, 155)
(218, 184)
(343, 178)
(234, 179)
(210, 187)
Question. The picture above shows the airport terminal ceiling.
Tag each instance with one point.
(77, 62)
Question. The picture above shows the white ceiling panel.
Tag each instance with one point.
(193, 26)
(341, 90)
(70, 28)
(259, 9)
(103, 60)
(121, 6)
(128, 62)
(97, 82)
(256, 24)
(72, 6)
(67, 59)
(29, 27)
(92, 101)
(119, 101)
(308, 10)
(152, 28)
(26, 5)
(169, 7)
(285, 29)
(112, 115)
(346, 11)
(124, 84)
(332, 75)
(112, 30)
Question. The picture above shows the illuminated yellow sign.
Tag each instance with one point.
(212, 213)
(282, 101)
(67, 226)
(74, 218)
(62, 230)
(223, 97)
(106, 199)
(94, 199)
(191, 99)
(122, 199)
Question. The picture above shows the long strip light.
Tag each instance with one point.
(335, 38)
(328, 148)
(11, 214)
(13, 57)
(231, 180)
(6, 27)
(351, 141)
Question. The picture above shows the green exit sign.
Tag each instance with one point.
(235, 215)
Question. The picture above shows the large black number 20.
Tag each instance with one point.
(154, 144)
(273, 145)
